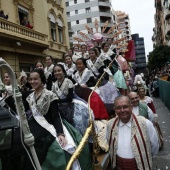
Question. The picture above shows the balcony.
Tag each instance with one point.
(105, 14)
(14, 31)
(104, 3)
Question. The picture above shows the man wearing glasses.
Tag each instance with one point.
(140, 108)
(132, 139)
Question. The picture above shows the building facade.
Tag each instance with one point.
(161, 31)
(34, 28)
(81, 12)
(123, 22)
(140, 63)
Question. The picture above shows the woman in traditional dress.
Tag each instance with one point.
(48, 71)
(146, 99)
(84, 52)
(46, 118)
(72, 110)
(76, 54)
(70, 67)
(50, 79)
(39, 64)
(7, 94)
(115, 68)
(107, 89)
(84, 79)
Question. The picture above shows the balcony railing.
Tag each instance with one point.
(20, 31)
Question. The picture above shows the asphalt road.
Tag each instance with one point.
(162, 160)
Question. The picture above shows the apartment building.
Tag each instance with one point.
(140, 63)
(123, 22)
(81, 12)
(33, 29)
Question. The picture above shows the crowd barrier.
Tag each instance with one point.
(164, 91)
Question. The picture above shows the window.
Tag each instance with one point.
(68, 14)
(88, 10)
(52, 26)
(26, 67)
(60, 30)
(69, 25)
(67, 3)
(89, 20)
(76, 11)
(75, 1)
(87, 0)
(23, 13)
(77, 21)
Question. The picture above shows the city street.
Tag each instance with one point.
(162, 161)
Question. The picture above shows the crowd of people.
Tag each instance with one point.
(55, 99)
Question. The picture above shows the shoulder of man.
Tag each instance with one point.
(110, 122)
(141, 119)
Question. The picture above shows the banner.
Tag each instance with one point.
(130, 55)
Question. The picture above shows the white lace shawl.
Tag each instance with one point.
(82, 80)
(148, 100)
(62, 91)
(76, 56)
(108, 54)
(48, 71)
(44, 101)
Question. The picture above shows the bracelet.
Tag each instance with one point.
(61, 134)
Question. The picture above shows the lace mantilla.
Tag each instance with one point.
(44, 101)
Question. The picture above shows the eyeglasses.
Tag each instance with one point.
(122, 107)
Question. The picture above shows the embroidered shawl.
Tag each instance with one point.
(62, 91)
(48, 71)
(83, 79)
(44, 101)
(108, 54)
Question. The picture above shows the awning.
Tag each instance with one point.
(59, 22)
(167, 16)
(23, 9)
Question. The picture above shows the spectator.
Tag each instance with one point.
(2, 15)
(26, 23)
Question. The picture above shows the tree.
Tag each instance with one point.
(158, 57)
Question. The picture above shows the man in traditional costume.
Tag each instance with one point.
(132, 139)
(140, 108)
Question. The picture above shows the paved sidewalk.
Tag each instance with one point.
(162, 160)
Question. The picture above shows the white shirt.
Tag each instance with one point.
(135, 111)
(124, 149)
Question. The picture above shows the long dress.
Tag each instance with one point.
(115, 69)
(45, 124)
(108, 91)
(71, 109)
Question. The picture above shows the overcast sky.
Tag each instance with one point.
(141, 14)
